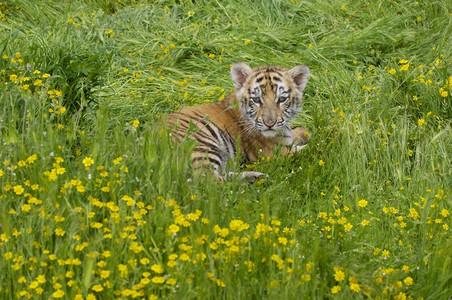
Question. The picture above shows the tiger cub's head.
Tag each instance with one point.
(269, 96)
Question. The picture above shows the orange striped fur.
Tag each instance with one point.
(255, 119)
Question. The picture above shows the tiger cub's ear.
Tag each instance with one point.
(300, 76)
(239, 73)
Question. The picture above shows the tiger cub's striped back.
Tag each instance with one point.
(256, 116)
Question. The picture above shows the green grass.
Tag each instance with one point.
(95, 202)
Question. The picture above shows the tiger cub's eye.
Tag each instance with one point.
(282, 100)
(256, 100)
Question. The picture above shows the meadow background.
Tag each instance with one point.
(95, 203)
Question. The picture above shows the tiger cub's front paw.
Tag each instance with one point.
(248, 176)
(301, 136)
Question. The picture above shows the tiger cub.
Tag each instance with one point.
(256, 116)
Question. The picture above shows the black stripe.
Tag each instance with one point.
(231, 143)
(220, 136)
(202, 135)
(259, 79)
(210, 159)
(211, 137)
(209, 151)
(181, 120)
(207, 144)
(226, 137)
(208, 125)
(205, 123)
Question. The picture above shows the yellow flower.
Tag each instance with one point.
(173, 228)
(282, 240)
(365, 222)
(33, 285)
(321, 163)
(135, 123)
(18, 189)
(135, 247)
(110, 33)
(41, 279)
(405, 67)
(339, 275)
(238, 225)
(421, 122)
(104, 274)
(158, 279)
(306, 277)
(355, 287)
(336, 289)
(13, 78)
(25, 208)
(191, 13)
(97, 288)
(145, 281)
(348, 227)
(408, 281)
(392, 71)
(224, 232)
(362, 203)
(32, 158)
(123, 270)
(58, 294)
(157, 268)
(184, 257)
(171, 263)
(90, 296)
(60, 231)
(129, 200)
(1, 173)
(96, 225)
(87, 161)
(413, 214)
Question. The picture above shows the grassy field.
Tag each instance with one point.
(95, 203)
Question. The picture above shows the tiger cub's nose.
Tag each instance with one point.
(269, 123)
